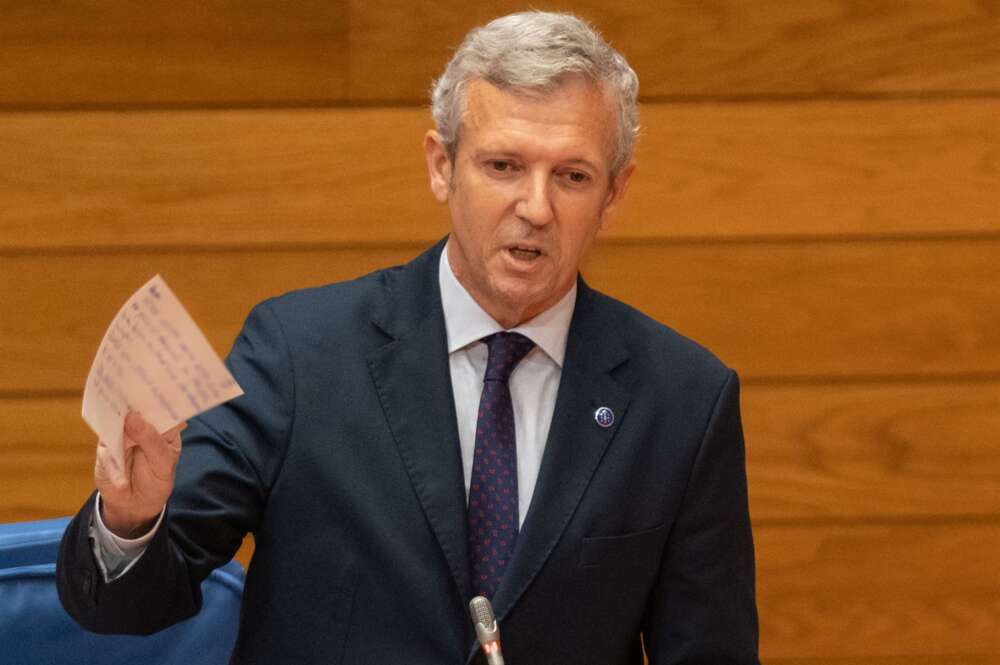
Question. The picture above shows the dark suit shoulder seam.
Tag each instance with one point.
(294, 401)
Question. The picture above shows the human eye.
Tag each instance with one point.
(576, 177)
(501, 167)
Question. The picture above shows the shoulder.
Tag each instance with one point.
(330, 310)
(329, 300)
(407, 292)
(659, 354)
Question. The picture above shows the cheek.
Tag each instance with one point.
(582, 226)
(481, 202)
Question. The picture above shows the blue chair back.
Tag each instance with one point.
(35, 630)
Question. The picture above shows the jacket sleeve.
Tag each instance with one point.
(702, 609)
(230, 458)
(138, 602)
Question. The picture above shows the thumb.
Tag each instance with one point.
(108, 472)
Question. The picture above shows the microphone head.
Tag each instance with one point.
(484, 620)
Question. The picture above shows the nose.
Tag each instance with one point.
(534, 204)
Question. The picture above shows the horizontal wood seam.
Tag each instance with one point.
(412, 102)
(764, 380)
(761, 381)
(677, 241)
(968, 658)
(855, 521)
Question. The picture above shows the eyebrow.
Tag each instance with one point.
(506, 154)
(583, 162)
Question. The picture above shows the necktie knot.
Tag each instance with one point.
(506, 351)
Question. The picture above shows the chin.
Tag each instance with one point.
(518, 289)
(521, 297)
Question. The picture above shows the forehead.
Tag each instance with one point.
(576, 116)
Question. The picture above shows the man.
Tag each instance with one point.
(478, 421)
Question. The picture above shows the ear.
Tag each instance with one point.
(438, 165)
(615, 193)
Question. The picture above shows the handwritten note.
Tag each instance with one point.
(153, 359)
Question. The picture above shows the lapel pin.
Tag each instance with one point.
(604, 416)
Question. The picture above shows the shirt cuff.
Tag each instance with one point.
(116, 555)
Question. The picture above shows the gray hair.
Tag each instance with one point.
(535, 52)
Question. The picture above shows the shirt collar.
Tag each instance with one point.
(466, 322)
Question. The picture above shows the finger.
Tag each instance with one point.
(173, 436)
(162, 456)
(108, 473)
(133, 428)
(133, 423)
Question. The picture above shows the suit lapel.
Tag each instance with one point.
(413, 381)
(576, 443)
(414, 386)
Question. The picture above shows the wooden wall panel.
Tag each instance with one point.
(306, 52)
(821, 310)
(107, 53)
(292, 177)
(46, 458)
(714, 48)
(974, 659)
(893, 590)
(814, 453)
(873, 451)
(231, 178)
(55, 311)
(919, 659)
(775, 311)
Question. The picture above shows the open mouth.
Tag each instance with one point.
(524, 253)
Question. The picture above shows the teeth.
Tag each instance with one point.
(523, 253)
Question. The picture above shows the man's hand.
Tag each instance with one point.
(132, 497)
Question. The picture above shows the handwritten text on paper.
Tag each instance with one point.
(153, 359)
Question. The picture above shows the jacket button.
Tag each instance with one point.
(88, 584)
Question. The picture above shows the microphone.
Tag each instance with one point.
(487, 632)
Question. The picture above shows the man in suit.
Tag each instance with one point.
(478, 421)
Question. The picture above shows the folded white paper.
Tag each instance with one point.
(153, 359)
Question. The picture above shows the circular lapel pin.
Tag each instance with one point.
(604, 416)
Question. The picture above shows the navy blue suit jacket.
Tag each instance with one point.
(342, 459)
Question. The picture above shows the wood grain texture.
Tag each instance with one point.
(68, 301)
(873, 451)
(246, 178)
(889, 660)
(289, 177)
(715, 48)
(47, 461)
(815, 453)
(184, 52)
(879, 591)
(797, 311)
(774, 311)
(306, 52)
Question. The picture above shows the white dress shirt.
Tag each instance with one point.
(533, 387)
(533, 383)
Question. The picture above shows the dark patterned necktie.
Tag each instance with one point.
(493, 517)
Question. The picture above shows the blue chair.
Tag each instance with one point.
(35, 630)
